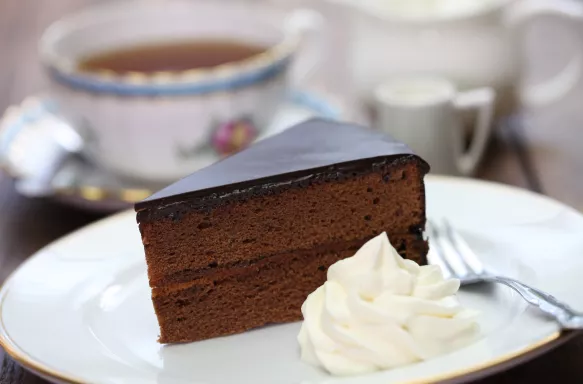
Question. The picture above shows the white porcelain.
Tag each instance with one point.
(425, 113)
(79, 310)
(475, 43)
(163, 126)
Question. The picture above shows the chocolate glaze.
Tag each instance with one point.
(314, 151)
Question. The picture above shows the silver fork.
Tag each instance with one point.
(452, 253)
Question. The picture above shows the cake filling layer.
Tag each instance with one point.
(407, 245)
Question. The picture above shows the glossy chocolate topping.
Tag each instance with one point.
(309, 148)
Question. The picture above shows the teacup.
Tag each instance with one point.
(163, 125)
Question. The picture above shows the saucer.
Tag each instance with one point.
(98, 325)
(72, 179)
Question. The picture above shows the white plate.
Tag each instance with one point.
(80, 311)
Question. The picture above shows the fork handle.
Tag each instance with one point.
(567, 317)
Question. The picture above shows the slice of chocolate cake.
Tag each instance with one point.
(241, 243)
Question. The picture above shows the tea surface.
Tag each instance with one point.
(171, 56)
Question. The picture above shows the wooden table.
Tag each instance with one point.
(544, 154)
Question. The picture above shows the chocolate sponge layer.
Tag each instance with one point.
(389, 199)
(246, 262)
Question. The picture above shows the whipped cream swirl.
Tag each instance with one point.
(379, 311)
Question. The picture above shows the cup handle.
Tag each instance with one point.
(568, 12)
(481, 100)
(304, 24)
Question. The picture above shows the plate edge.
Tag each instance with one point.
(477, 371)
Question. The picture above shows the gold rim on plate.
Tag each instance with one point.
(486, 368)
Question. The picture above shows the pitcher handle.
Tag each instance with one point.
(481, 100)
(305, 25)
(568, 12)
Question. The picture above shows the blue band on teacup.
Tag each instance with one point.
(237, 80)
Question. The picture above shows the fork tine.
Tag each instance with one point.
(449, 253)
(435, 255)
(469, 257)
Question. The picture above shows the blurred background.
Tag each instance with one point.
(380, 63)
(539, 149)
